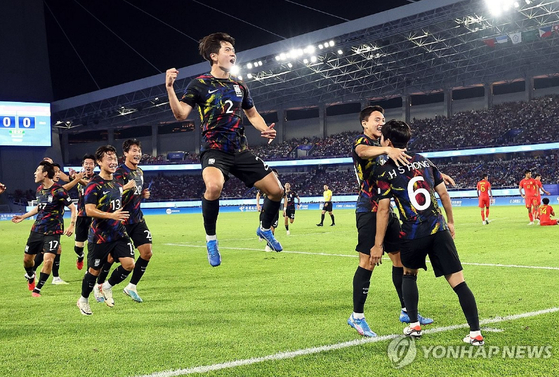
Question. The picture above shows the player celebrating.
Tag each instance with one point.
(424, 229)
(221, 99)
(289, 206)
(485, 196)
(136, 226)
(84, 222)
(56, 279)
(367, 157)
(107, 238)
(529, 185)
(327, 206)
(48, 226)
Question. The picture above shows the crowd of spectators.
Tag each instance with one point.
(514, 123)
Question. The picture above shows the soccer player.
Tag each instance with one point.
(2, 188)
(424, 229)
(538, 199)
(484, 197)
(56, 279)
(84, 222)
(327, 206)
(136, 226)
(221, 99)
(107, 239)
(289, 206)
(368, 156)
(545, 212)
(48, 226)
(529, 185)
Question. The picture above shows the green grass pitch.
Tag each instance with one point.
(267, 314)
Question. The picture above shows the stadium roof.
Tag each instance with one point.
(422, 47)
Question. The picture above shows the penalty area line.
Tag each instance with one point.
(355, 256)
(331, 347)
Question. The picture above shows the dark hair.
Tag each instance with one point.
(537, 175)
(48, 168)
(545, 201)
(484, 175)
(398, 132)
(211, 44)
(88, 157)
(527, 171)
(130, 142)
(367, 111)
(54, 164)
(102, 150)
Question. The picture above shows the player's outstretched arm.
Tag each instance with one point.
(371, 151)
(17, 218)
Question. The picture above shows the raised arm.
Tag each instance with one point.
(181, 110)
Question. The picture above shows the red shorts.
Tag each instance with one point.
(537, 200)
(484, 202)
(530, 201)
(550, 222)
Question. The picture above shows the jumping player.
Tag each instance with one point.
(221, 100)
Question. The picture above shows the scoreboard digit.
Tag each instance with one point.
(8, 121)
(26, 122)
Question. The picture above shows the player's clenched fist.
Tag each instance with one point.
(171, 76)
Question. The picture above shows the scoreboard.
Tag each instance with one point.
(25, 124)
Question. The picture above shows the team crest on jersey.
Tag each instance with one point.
(238, 90)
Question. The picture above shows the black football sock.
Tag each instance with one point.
(411, 296)
(118, 276)
(30, 272)
(468, 304)
(88, 283)
(56, 266)
(322, 219)
(210, 210)
(42, 280)
(332, 216)
(104, 273)
(361, 283)
(79, 251)
(397, 274)
(287, 227)
(38, 261)
(270, 209)
(139, 270)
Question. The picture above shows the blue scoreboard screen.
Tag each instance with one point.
(25, 124)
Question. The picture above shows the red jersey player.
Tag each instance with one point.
(485, 195)
(545, 212)
(530, 187)
(539, 190)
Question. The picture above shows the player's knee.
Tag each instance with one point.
(145, 252)
(410, 272)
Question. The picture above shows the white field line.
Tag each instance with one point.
(355, 256)
(337, 346)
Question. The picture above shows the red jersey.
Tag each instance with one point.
(539, 186)
(530, 187)
(483, 188)
(546, 211)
